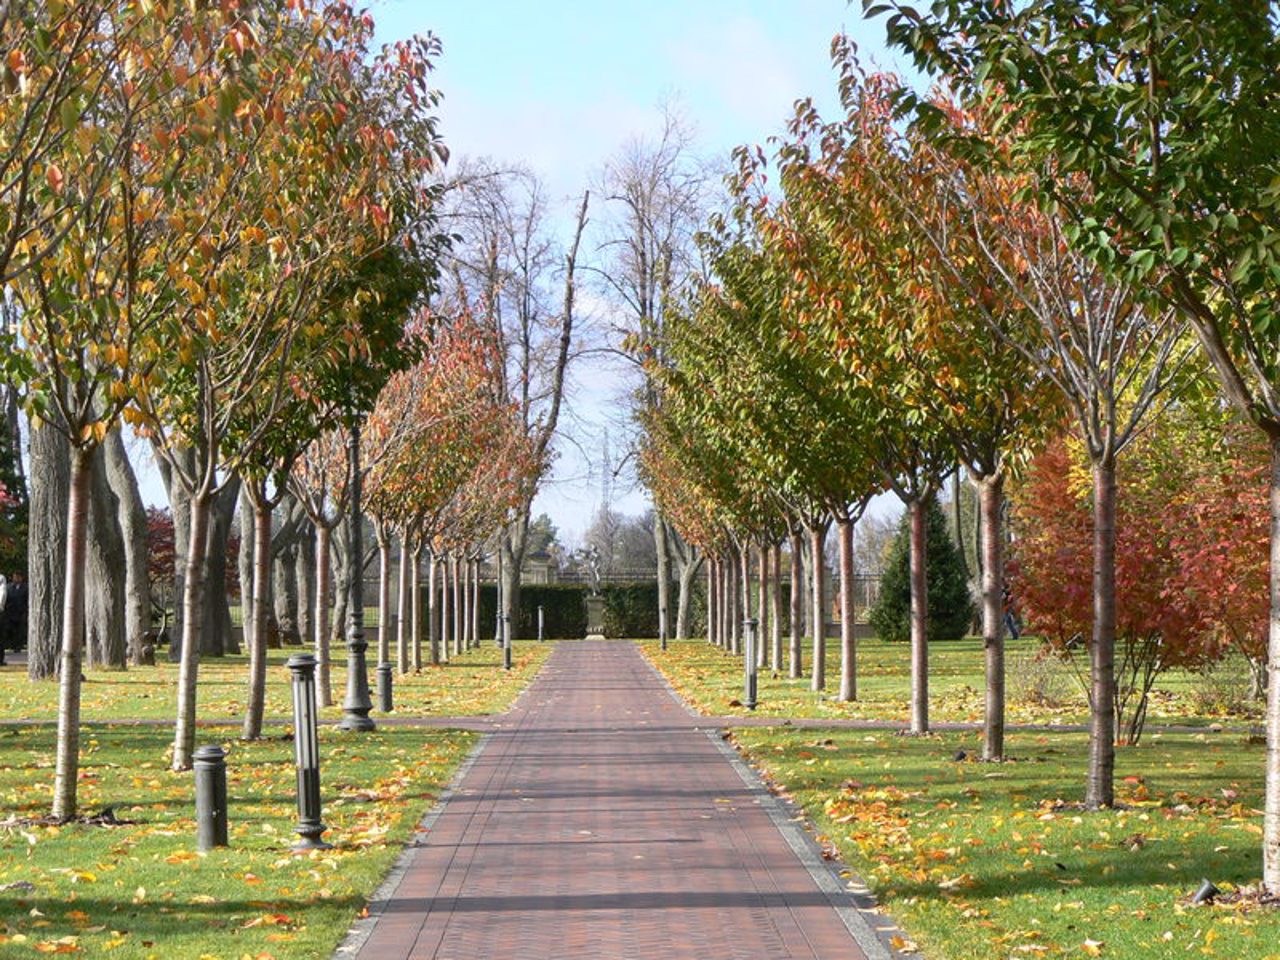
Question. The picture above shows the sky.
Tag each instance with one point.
(560, 86)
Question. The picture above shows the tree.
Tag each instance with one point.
(950, 604)
(1170, 123)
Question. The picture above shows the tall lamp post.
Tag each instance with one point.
(356, 705)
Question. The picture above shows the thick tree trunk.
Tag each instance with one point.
(133, 527)
(216, 635)
(817, 547)
(384, 595)
(775, 608)
(47, 550)
(403, 624)
(919, 560)
(323, 625)
(1100, 786)
(284, 594)
(67, 761)
(193, 593)
(415, 595)
(848, 641)
(433, 608)
(796, 670)
(259, 610)
(662, 549)
(1271, 818)
(991, 567)
(105, 639)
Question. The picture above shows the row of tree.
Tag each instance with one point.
(957, 277)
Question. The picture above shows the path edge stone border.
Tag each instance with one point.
(362, 929)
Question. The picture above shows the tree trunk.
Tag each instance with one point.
(446, 639)
(848, 641)
(475, 604)
(466, 602)
(67, 762)
(244, 564)
(736, 612)
(133, 526)
(684, 603)
(403, 624)
(797, 606)
(1100, 789)
(433, 608)
(415, 595)
(47, 550)
(762, 606)
(919, 560)
(662, 550)
(775, 608)
(184, 734)
(384, 595)
(323, 624)
(1271, 818)
(105, 639)
(712, 606)
(258, 607)
(180, 511)
(305, 582)
(991, 566)
(817, 546)
(455, 582)
(284, 593)
(513, 548)
(216, 636)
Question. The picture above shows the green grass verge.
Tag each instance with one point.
(141, 891)
(711, 681)
(472, 684)
(981, 861)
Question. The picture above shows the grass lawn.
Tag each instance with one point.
(711, 680)
(980, 861)
(140, 890)
(472, 684)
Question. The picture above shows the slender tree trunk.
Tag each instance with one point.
(446, 638)
(817, 547)
(244, 565)
(848, 640)
(433, 609)
(180, 510)
(990, 506)
(284, 594)
(466, 600)
(403, 624)
(684, 603)
(105, 640)
(47, 550)
(67, 762)
(455, 585)
(1271, 818)
(475, 604)
(957, 515)
(415, 592)
(711, 600)
(216, 631)
(1100, 789)
(384, 595)
(775, 607)
(662, 549)
(762, 606)
(305, 585)
(797, 606)
(919, 561)
(133, 526)
(184, 734)
(323, 625)
(736, 612)
(260, 611)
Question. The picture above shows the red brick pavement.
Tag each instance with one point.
(600, 821)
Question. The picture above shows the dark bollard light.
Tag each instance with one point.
(211, 797)
(749, 662)
(539, 623)
(506, 643)
(662, 627)
(356, 705)
(1206, 894)
(306, 751)
(385, 701)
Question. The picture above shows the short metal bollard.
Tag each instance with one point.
(506, 643)
(386, 703)
(662, 627)
(749, 662)
(211, 797)
(306, 750)
(540, 621)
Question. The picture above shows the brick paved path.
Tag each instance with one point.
(600, 821)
